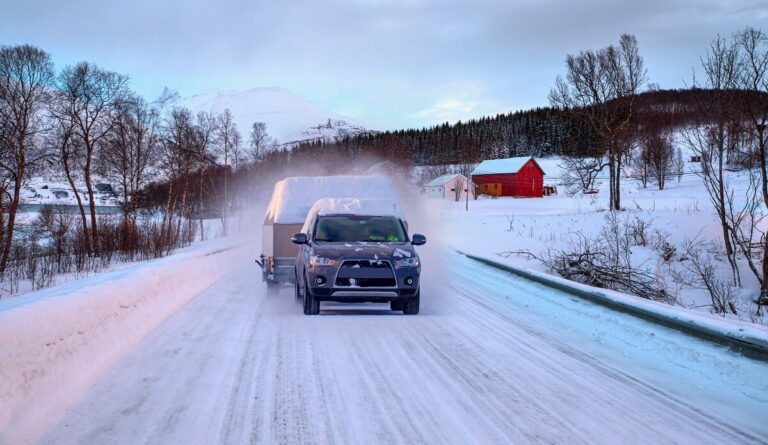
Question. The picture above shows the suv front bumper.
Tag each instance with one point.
(358, 295)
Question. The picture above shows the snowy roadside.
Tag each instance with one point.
(70, 333)
(734, 332)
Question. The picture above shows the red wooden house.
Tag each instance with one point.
(520, 177)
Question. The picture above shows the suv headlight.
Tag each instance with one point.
(315, 261)
(407, 262)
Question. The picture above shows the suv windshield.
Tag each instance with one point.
(347, 228)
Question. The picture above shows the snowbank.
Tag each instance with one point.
(293, 197)
(732, 332)
(354, 206)
(55, 341)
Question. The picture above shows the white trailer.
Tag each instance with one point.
(292, 199)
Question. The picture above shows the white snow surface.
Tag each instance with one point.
(353, 206)
(289, 117)
(293, 198)
(752, 333)
(193, 349)
(682, 211)
(506, 165)
(54, 341)
(34, 193)
(492, 358)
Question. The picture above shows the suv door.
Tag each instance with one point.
(302, 259)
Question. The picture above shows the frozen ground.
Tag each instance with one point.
(57, 191)
(192, 349)
(491, 359)
(682, 211)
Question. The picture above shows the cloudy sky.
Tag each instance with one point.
(389, 63)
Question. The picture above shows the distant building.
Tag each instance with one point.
(519, 177)
(104, 189)
(452, 187)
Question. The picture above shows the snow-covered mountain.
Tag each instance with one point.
(289, 117)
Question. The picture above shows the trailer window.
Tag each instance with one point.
(353, 228)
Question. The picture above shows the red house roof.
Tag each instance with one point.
(502, 166)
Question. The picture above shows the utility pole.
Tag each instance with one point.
(466, 192)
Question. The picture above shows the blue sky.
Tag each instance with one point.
(389, 63)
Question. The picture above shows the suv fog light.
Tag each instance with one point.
(409, 281)
(319, 280)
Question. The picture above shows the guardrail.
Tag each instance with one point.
(747, 340)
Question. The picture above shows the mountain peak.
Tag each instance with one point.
(289, 117)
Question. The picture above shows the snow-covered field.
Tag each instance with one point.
(192, 349)
(681, 212)
(55, 340)
(491, 359)
(42, 190)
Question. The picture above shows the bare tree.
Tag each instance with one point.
(69, 152)
(719, 135)
(703, 267)
(745, 220)
(26, 73)
(259, 141)
(228, 147)
(238, 152)
(6, 179)
(641, 163)
(206, 128)
(678, 164)
(127, 154)
(580, 173)
(753, 46)
(177, 160)
(601, 86)
(89, 96)
(753, 52)
(656, 152)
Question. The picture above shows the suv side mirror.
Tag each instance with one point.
(300, 238)
(418, 240)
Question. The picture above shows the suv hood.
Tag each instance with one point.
(364, 250)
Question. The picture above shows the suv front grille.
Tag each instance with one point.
(365, 273)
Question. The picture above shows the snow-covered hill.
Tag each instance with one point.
(289, 117)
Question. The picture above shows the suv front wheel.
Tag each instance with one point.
(311, 305)
(297, 287)
(411, 307)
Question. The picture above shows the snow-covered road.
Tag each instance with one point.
(491, 359)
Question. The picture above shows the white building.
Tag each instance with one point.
(452, 187)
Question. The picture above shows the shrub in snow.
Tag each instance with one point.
(606, 261)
